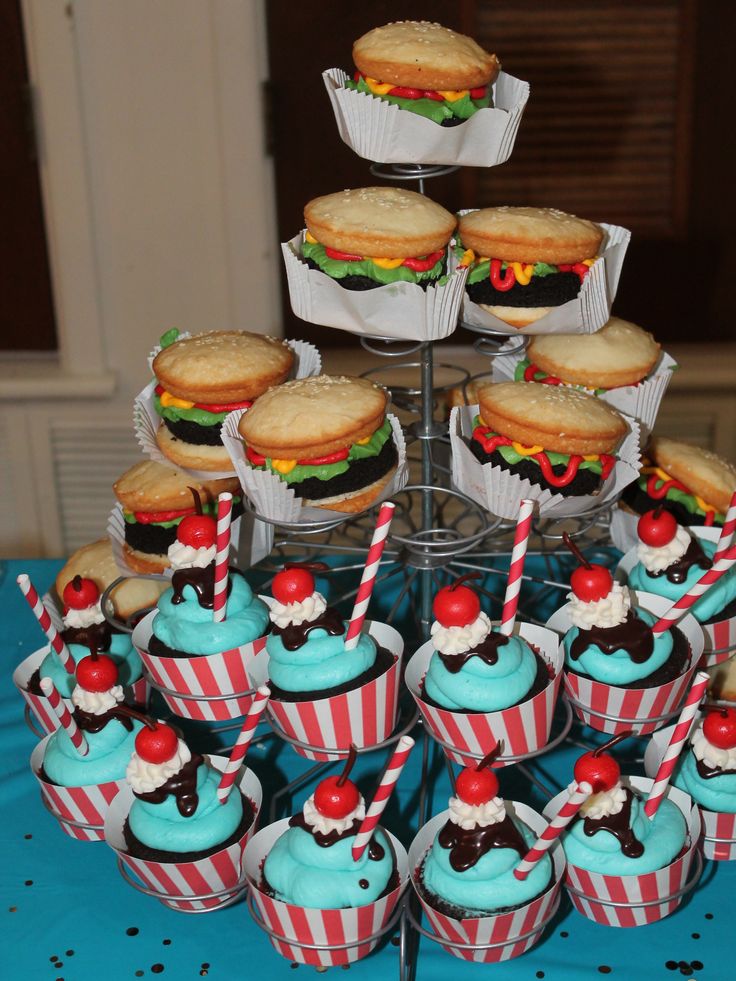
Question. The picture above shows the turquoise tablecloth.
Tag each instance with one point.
(68, 914)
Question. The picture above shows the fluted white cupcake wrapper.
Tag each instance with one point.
(611, 709)
(272, 497)
(365, 716)
(633, 900)
(206, 687)
(203, 884)
(501, 491)
(641, 401)
(298, 927)
(47, 719)
(586, 313)
(719, 827)
(401, 311)
(511, 933)
(468, 736)
(146, 420)
(720, 635)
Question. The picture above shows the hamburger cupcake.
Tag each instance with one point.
(154, 499)
(200, 379)
(327, 438)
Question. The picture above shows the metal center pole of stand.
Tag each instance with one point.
(427, 521)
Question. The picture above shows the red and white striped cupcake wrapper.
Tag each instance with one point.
(468, 736)
(80, 811)
(320, 937)
(719, 828)
(365, 716)
(608, 708)
(189, 887)
(720, 635)
(634, 900)
(207, 687)
(138, 692)
(500, 936)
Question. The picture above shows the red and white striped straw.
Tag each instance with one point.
(727, 532)
(222, 556)
(679, 737)
(385, 789)
(579, 793)
(42, 615)
(257, 707)
(64, 716)
(683, 604)
(518, 554)
(368, 579)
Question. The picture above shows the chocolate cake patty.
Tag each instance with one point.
(137, 849)
(155, 539)
(384, 660)
(673, 667)
(192, 432)
(541, 680)
(541, 291)
(584, 481)
(360, 473)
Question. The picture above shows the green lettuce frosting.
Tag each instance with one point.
(462, 108)
(339, 268)
(556, 459)
(174, 413)
(681, 496)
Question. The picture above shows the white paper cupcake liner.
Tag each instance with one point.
(500, 936)
(146, 420)
(720, 636)
(364, 716)
(586, 313)
(608, 708)
(401, 311)
(189, 887)
(501, 491)
(377, 130)
(641, 401)
(321, 937)
(80, 811)
(468, 736)
(272, 497)
(633, 900)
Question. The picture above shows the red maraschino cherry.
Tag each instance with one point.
(479, 784)
(599, 768)
(336, 797)
(657, 527)
(80, 593)
(719, 728)
(293, 585)
(457, 605)
(589, 582)
(97, 673)
(156, 744)
(197, 530)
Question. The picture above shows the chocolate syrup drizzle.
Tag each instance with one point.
(376, 851)
(487, 651)
(678, 570)
(97, 636)
(468, 846)
(89, 722)
(619, 825)
(202, 582)
(706, 772)
(182, 786)
(293, 636)
(633, 635)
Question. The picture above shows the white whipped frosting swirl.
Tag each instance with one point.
(604, 803)
(79, 619)
(606, 612)
(97, 702)
(468, 816)
(458, 640)
(284, 614)
(145, 777)
(188, 557)
(324, 825)
(713, 756)
(658, 558)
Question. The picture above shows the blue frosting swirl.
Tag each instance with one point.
(121, 651)
(189, 627)
(320, 663)
(719, 595)
(161, 826)
(482, 687)
(107, 759)
(307, 874)
(715, 794)
(617, 668)
(490, 884)
(662, 837)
